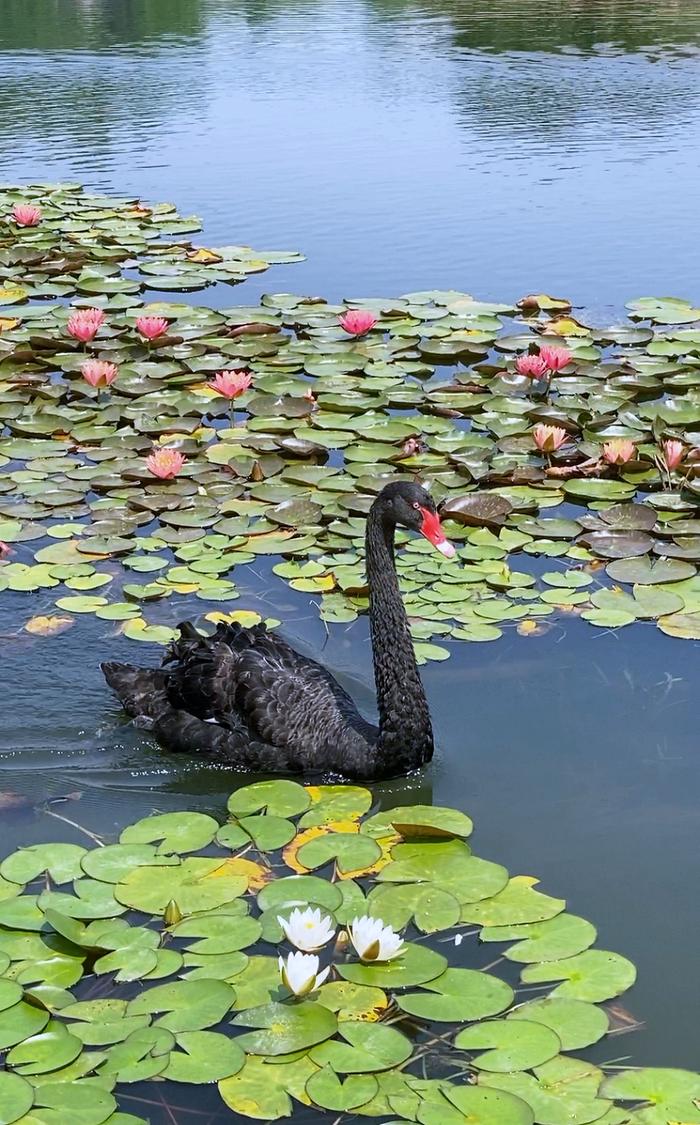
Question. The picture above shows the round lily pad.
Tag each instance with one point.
(282, 1028)
(16, 1097)
(368, 1047)
(509, 1045)
(416, 965)
(458, 995)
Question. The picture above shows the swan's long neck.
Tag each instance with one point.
(405, 731)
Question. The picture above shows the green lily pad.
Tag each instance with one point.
(517, 903)
(16, 1097)
(416, 965)
(458, 995)
(51, 1049)
(328, 1091)
(431, 907)
(299, 890)
(647, 572)
(281, 798)
(672, 1095)
(263, 1092)
(560, 1091)
(509, 1045)
(61, 861)
(577, 1023)
(419, 821)
(81, 1103)
(594, 975)
(177, 831)
(282, 1028)
(350, 851)
(188, 1005)
(551, 940)
(196, 884)
(113, 862)
(368, 1047)
(488, 1107)
(204, 1056)
(20, 1022)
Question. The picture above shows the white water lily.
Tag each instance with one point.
(374, 941)
(300, 973)
(307, 929)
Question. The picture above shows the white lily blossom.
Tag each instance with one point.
(308, 929)
(373, 941)
(300, 973)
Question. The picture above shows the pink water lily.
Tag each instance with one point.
(99, 373)
(548, 438)
(619, 451)
(673, 453)
(231, 383)
(5, 549)
(532, 366)
(84, 324)
(555, 358)
(151, 327)
(165, 463)
(357, 321)
(26, 214)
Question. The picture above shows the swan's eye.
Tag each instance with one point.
(416, 505)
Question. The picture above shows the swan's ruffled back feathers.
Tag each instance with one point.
(247, 695)
(253, 677)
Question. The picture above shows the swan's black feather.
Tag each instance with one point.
(245, 695)
(249, 697)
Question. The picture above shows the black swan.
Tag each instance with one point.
(248, 697)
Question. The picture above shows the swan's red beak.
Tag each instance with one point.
(431, 528)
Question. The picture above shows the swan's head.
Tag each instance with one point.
(409, 505)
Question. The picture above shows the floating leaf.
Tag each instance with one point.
(350, 851)
(16, 1097)
(188, 1005)
(577, 1023)
(458, 995)
(328, 1091)
(594, 975)
(509, 1044)
(417, 821)
(368, 1047)
(61, 861)
(177, 831)
(190, 884)
(489, 1107)
(517, 903)
(263, 1092)
(282, 1028)
(281, 798)
(204, 1056)
(416, 965)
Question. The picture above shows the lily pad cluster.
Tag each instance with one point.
(427, 385)
(156, 957)
(57, 240)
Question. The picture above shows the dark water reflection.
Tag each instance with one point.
(498, 148)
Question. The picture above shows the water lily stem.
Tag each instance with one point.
(66, 820)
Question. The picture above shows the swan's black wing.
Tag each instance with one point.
(285, 699)
(249, 696)
(143, 695)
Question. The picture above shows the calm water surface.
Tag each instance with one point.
(496, 148)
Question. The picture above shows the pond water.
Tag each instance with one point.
(495, 148)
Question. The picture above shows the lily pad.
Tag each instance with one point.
(369, 1047)
(282, 1028)
(509, 1045)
